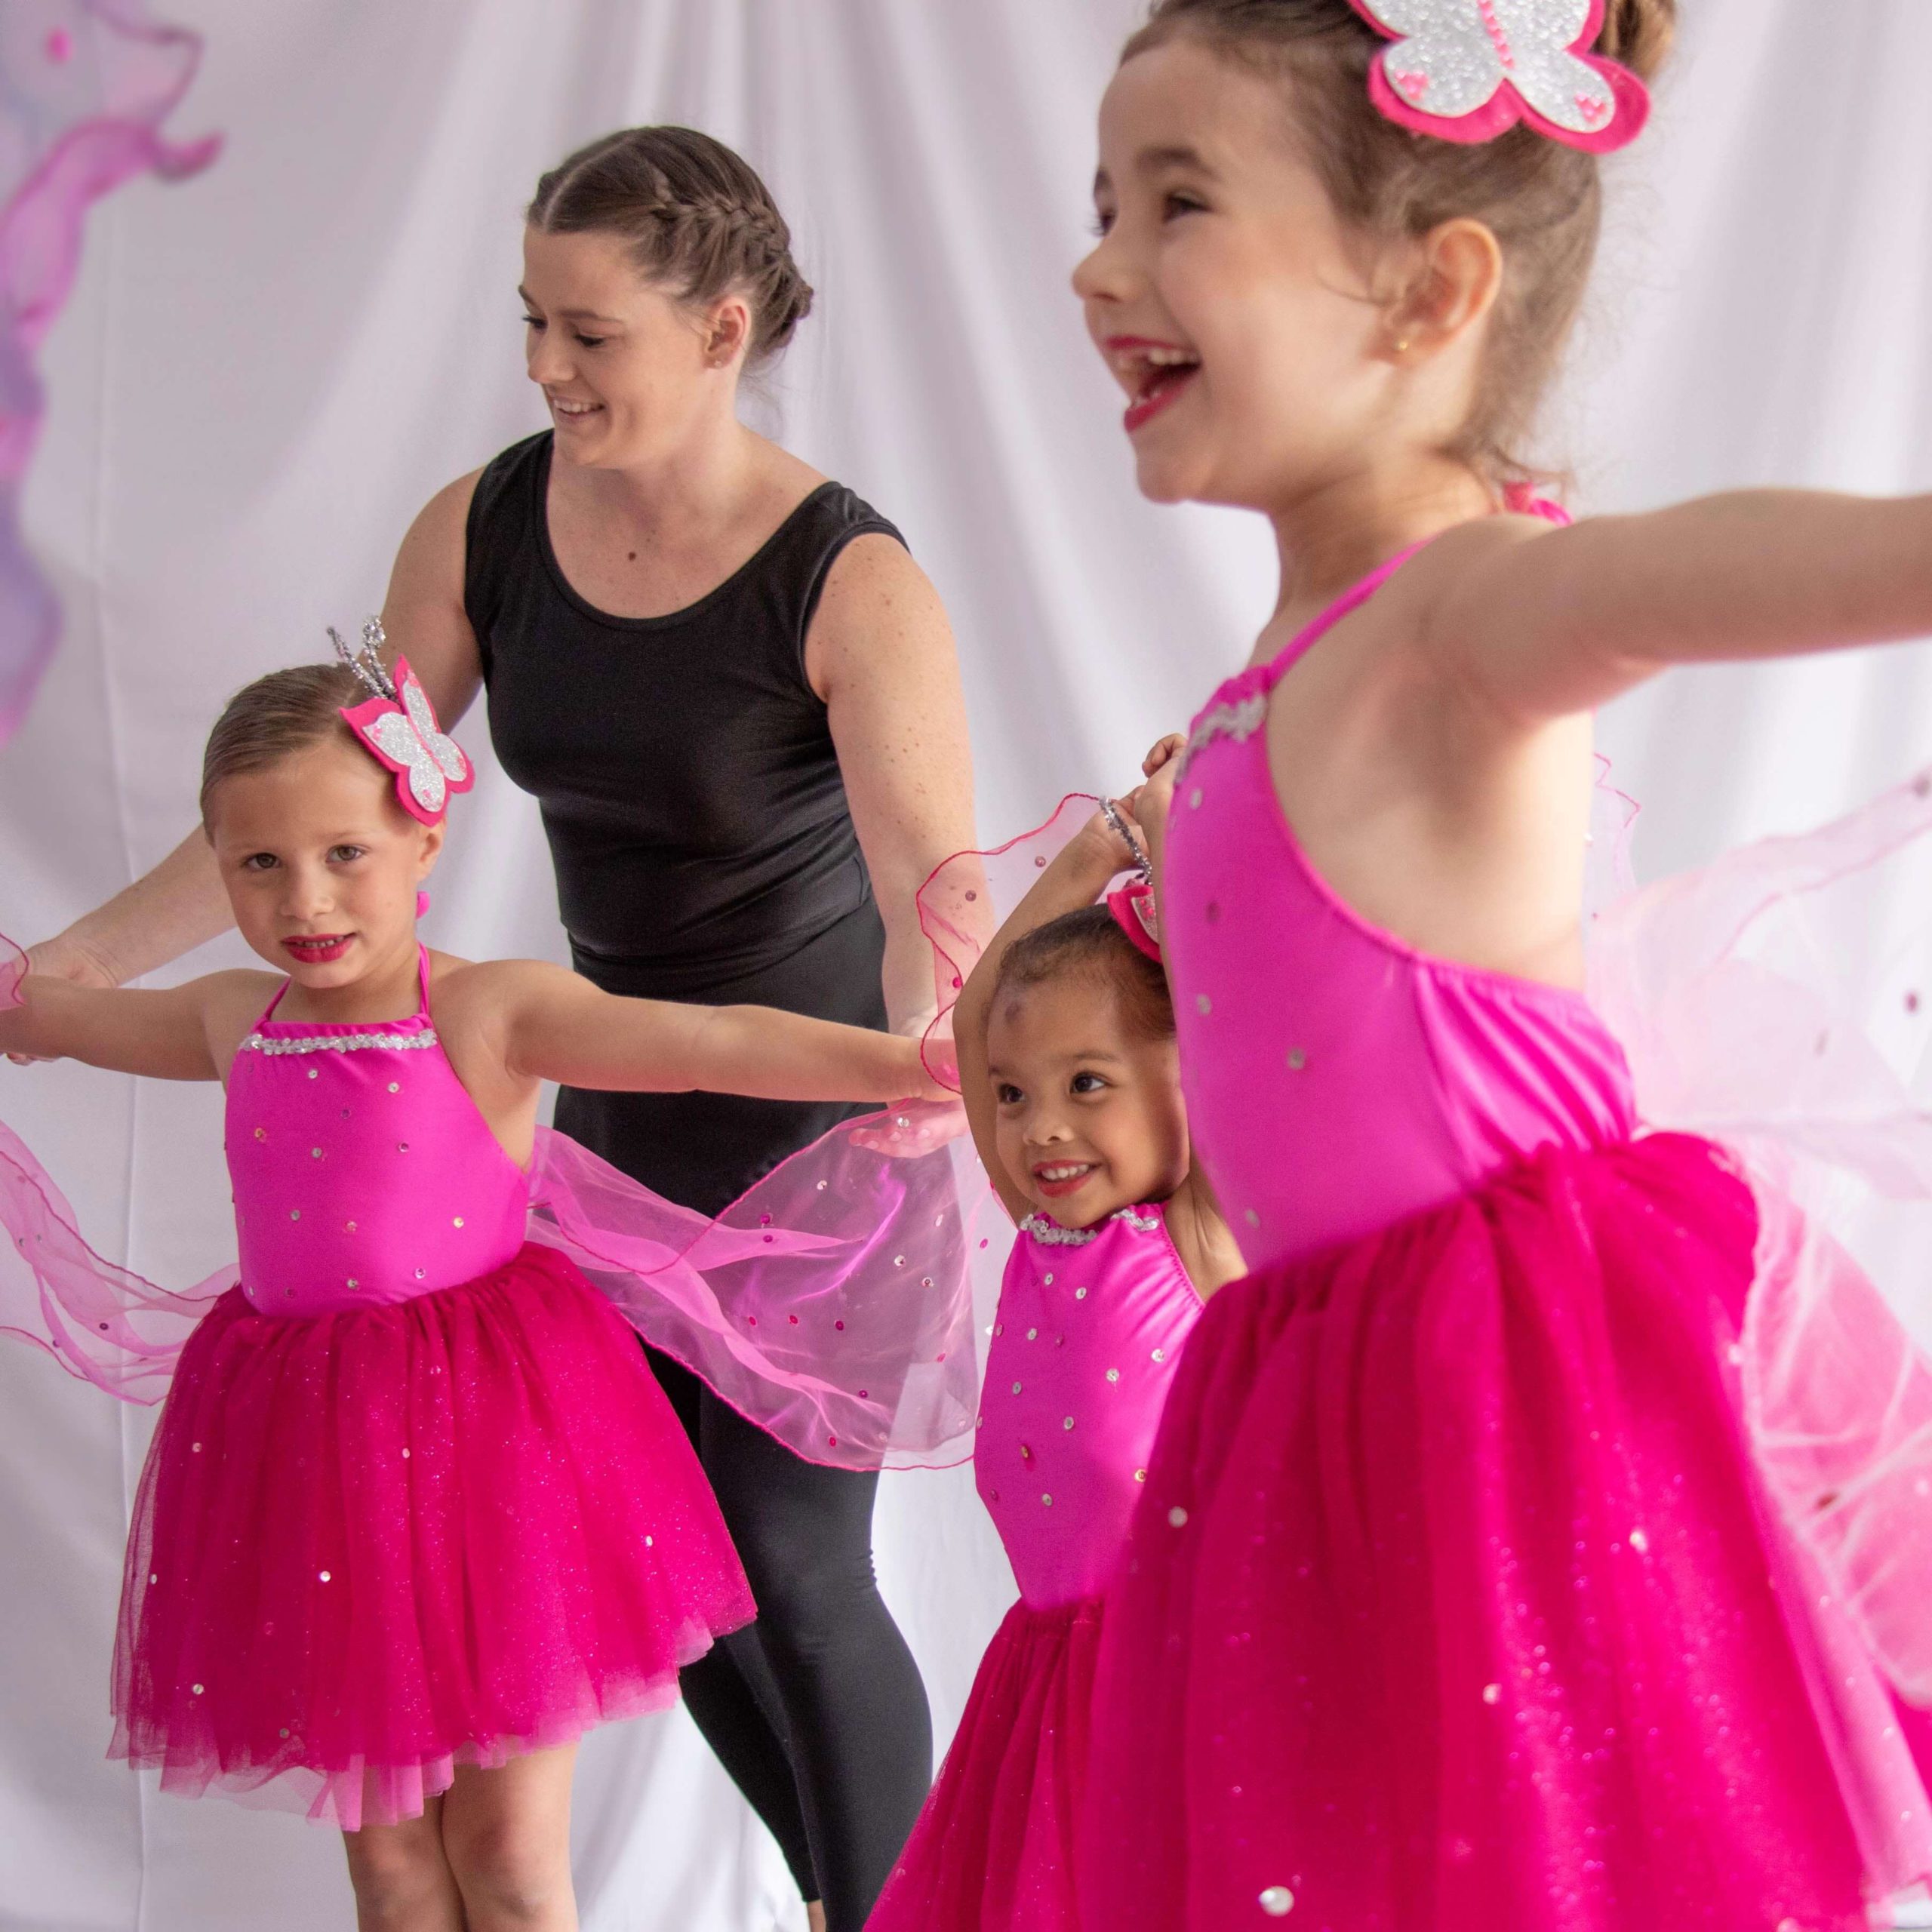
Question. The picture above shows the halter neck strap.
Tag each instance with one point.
(1518, 503)
(421, 990)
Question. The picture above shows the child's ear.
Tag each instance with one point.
(1454, 285)
(429, 850)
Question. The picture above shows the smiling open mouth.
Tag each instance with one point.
(1155, 374)
(318, 948)
(1056, 1178)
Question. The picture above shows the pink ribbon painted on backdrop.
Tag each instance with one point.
(1469, 70)
(84, 87)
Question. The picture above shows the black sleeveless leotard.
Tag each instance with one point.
(704, 851)
(698, 820)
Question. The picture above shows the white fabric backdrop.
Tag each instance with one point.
(265, 371)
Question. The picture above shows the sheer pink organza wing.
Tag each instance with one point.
(84, 87)
(101, 1321)
(841, 1303)
(1779, 1001)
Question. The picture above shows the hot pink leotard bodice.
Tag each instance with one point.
(1337, 1079)
(363, 1172)
(1090, 1323)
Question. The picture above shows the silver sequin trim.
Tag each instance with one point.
(339, 1043)
(1053, 1235)
(1238, 721)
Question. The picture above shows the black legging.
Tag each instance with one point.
(822, 1685)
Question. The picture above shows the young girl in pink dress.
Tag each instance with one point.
(416, 1515)
(1466, 1592)
(1066, 1039)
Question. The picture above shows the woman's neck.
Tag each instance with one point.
(700, 483)
(1333, 535)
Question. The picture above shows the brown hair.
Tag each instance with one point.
(1542, 199)
(696, 216)
(275, 718)
(1090, 944)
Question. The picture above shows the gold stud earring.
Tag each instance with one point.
(1402, 346)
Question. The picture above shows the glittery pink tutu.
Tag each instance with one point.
(995, 1845)
(373, 1545)
(1456, 1601)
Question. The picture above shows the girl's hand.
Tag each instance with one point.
(1164, 754)
(1152, 801)
(65, 958)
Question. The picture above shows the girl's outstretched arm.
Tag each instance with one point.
(556, 1025)
(1077, 877)
(187, 1032)
(1555, 621)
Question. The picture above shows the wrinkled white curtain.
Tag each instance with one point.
(266, 370)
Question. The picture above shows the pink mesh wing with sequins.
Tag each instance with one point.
(1779, 1001)
(84, 87)
(838, 1303)
(102, 1322)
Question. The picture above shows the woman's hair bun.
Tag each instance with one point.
(1639, 33)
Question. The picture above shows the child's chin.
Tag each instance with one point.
(1087, 1208)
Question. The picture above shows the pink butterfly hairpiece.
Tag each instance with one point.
(397, 725)
(1469, 70)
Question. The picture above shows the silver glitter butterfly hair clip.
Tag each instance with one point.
(1469, 70)
(397, 725)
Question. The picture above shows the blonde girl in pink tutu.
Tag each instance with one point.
(416, 1515)
(1473, 1587)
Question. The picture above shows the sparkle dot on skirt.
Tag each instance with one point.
(1177, 1517)
(154, 1576)
(313, 1074)
(421, 1273)
(405, 1455)
(838, 1324)
(1047, 1501)
(823, 1185)
(1067, 1423)
(348, 1227)
(395, 1086)
(1140, 1475)
(647, 1543)
(458, 1222)
(295, 1214)
(284, 1730)
(1160, 1355)
(792, 1319)
(315, 1153)
(402, 1146)
(1492, 1693)
(1201, 1001)
(925, 1281)
(1277, 1901)
(197, 1448)
(1016, 1387)
(198, 1689)
(1639, 1542)
(323, 1574)
(261, 1133)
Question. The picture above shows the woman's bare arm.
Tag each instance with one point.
(180, 903)
(880, 652)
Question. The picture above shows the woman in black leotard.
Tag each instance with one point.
(735, 695)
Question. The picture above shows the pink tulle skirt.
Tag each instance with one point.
(993, 1850)
(1455, 1603)
(372, 1545)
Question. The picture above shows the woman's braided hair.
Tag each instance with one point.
(697, 218)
